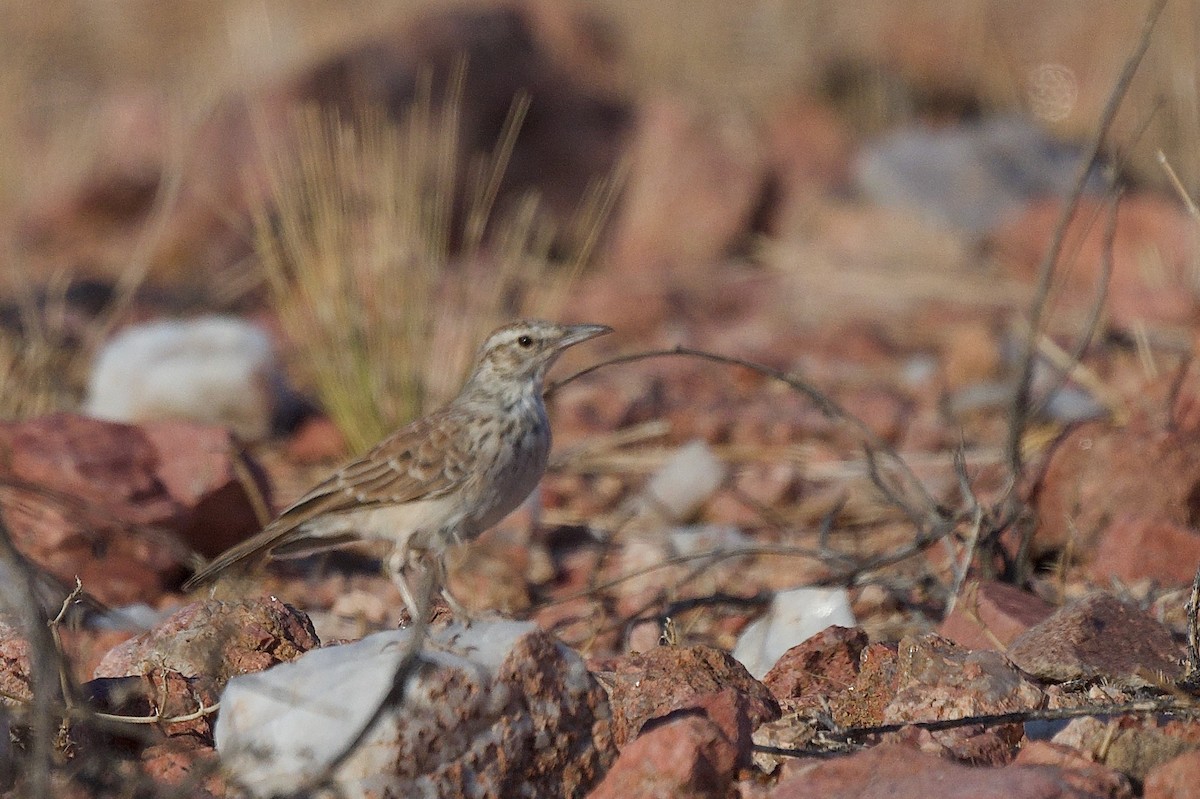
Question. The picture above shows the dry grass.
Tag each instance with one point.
(384, 277)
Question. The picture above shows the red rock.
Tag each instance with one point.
(1098, 636)
(693, 187)
(990, 614)
(808, 673)
(864, 702)
(899, 772)
(654, 684)
(15, 679)
(937, 679)
(1148, 227)
(158, 693)
(1178, 778)
(110, 502)
(215, 640)
(685, 755)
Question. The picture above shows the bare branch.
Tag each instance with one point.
(1020, 409)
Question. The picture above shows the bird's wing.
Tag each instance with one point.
(424, 460)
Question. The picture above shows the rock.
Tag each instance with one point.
(1133, 548)
(809, 151)
(178, 767)
(1175, 779)
(899, 772)
(15, 677)
(214, 370)
(657, 683)
(1151, 233)
(694, 184)
(990, 614)
(793, 617)
(863, 703)
(109, 502)
(498, 708)
(215, 641)
(1099, 472)
(316, 440)
(160, 692)
(971, 175)
(1131, 745)
(207, 472)
(937, 679)
(682, 755)
(1077, 768)
(825, 664)
(682, 483)
(1098, 637)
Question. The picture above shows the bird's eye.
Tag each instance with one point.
(525, 341)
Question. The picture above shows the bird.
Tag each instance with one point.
(443, 478)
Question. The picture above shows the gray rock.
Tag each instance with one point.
(968, 176)
(497, 709)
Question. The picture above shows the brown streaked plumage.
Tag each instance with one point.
(446, 476)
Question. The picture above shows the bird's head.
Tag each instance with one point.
(516, 357)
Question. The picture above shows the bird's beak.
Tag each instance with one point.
(575, 334)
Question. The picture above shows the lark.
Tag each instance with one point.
(442, 479)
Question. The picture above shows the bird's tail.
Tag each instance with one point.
(247, 553)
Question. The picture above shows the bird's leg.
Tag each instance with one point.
(396, 564)
(457, 609)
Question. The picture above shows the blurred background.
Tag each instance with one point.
(376, 179)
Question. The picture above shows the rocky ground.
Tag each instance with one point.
(815, 551)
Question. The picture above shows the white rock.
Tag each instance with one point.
(794, 617)
(472, 711)
(719, 539)
(684, 482)
(215, 370)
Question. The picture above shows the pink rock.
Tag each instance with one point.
(1176, 779)
(1145, 224)
(693, 187)
(1134, 548)
(178, 764)
(1098, 472)
(1077, 767)
(684, 755)
(1097, 636)
(990, 614)
(215, 640)
(654, 684)
(901, 773)
(208, 473)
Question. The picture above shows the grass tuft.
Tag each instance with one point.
(385, 274)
